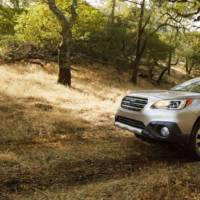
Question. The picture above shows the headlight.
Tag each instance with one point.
(172, 104)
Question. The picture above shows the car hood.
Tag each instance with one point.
(164, 94)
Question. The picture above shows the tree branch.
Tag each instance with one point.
(73, 12)
(146, 23)
(60, 16)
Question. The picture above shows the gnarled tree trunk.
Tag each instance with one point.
(64, 51)
(64, 61)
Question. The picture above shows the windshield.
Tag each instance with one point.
(189, 86)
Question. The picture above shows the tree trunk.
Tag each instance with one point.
(162, 75)
(151, 68)
(64, 76)
(64, 61)
(139, 48)
(186, 65)
(169, 61)
(112, 15)
(64, 57)
(190, 68)
(135, 70)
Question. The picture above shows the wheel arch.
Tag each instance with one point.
(195, 123)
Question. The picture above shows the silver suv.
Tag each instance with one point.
(164, 115)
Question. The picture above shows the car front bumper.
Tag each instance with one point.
(153, 131)
(184, 118)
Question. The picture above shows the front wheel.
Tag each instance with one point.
(195, 142)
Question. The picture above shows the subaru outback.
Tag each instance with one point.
(164, 115)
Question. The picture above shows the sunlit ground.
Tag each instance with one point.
(60, 143)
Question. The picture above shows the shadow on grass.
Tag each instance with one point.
(93, 169)
(72, 159)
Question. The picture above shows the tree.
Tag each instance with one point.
(112, 15)
(189, 50)
(8, 12)
(140, 47)
(172, 38)
(149, 23)
(38, 26)
(187, 9)
(64, 51)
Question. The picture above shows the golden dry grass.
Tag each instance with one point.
(60, 143)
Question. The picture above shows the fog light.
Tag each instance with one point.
(164, 132)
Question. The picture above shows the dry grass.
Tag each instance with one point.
(60, 143)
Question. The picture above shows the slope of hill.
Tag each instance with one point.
(60, 143)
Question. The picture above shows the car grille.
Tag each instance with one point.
(130, 122)
(133, 103)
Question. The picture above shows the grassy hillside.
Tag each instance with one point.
(60, 143)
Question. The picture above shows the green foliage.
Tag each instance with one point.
(94, 34)
(91, 33)
(157, 48)
(109, 43)
(5, 45)
(90, 22)
(7, 20)
(187, 9)
(190, 48)
(9, 10)
(38, 25)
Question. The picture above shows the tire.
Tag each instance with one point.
(194, 145)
